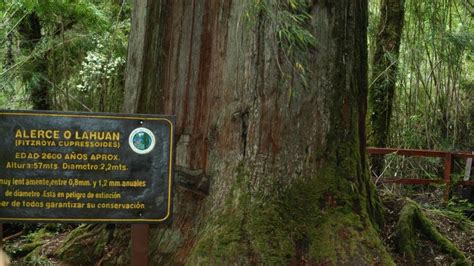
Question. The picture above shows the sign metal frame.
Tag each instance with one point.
(169, 120)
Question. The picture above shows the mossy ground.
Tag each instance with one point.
(426, 235)
(28, 243)
(32, 247)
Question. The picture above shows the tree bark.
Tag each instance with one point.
(264, 176)
(384, 75)
(143, 85)
(286, 180)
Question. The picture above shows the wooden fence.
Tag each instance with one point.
(448, 166)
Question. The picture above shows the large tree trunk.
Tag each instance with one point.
(264, 176)
(384, 75)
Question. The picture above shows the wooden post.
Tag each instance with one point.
(468, 190)
(467, 172)
(448, 164)
(140, 244)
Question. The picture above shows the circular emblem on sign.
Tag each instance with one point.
(142, 140)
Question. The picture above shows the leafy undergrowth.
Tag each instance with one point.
(449, 222)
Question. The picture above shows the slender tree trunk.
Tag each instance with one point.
(384, 75)
(38, 86)
(263, 176)
(9, 60)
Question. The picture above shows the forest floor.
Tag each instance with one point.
(32, 244)
(450, 219)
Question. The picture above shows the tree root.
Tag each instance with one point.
(8, 238)
(413, 220)
(84, 245)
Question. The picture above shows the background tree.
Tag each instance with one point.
(384, 75)
(36, 77)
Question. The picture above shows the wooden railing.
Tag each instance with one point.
(448, 165)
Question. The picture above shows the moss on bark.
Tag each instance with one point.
(26, 249)
(411, 221)
(84, 245)
(300, 223)
(35, 258)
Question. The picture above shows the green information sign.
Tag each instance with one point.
(85, 167)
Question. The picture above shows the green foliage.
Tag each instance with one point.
(99, 82)
(85, 13)
(289, 23)
(434, 105)
(458, 206)
(70, 31)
